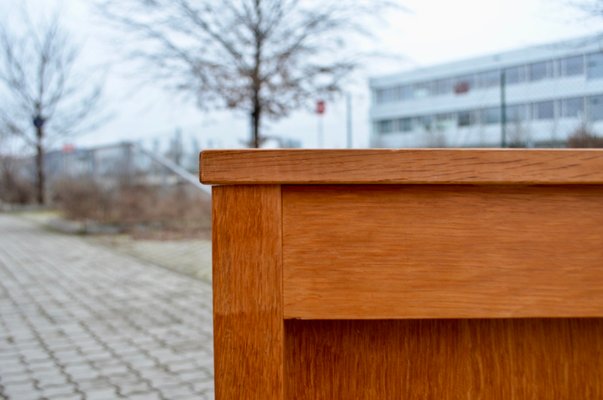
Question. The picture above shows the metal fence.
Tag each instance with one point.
(119, 163)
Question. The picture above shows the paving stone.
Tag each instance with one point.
(195, 375)
(115, 369)
(173, 392)
(90, 347)
(94, 384)
(79, 369)
(101, 394)
(35, 355)
(162, 379)
(181, 366)
(12, 367)
(145, 396)
(29, 395)
(69, 357)
(140, 361)
(41, 368)
(79, 375)
(19, 390)
(54, 379)
(98, 355)
(59, 390)
(127, 389)
(75, 396)
(203, 386)
(124, 379)
(15, 378)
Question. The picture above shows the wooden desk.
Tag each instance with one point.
(407, 274)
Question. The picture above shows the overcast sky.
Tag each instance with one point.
(431, 32)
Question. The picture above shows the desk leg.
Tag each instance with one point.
(247, 284)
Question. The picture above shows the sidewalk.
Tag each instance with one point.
(78, 321)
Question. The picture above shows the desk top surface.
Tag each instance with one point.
(404, 166)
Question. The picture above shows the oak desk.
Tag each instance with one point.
(407, 274)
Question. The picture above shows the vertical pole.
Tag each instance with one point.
(503, 109)
(320, 132)
(349, 120)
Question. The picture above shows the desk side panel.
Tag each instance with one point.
(544, 359)
(442, 251)
(247, 284)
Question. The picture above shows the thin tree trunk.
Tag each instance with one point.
(255, 125)
(256, 112)
(41, 177)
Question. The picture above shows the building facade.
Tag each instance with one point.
(531, 97)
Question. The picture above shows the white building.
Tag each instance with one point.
(542, 93)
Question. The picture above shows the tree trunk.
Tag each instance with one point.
(256, 82)
(256, 114)
(40, 175)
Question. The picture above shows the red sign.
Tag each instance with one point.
(320, 107)
(68, 148)
(461, 87)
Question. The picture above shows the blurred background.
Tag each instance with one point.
(106, 104)
(123, 94)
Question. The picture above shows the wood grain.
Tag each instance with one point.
(424, 251)
(247, 284)
(525, 359)
(420, 166)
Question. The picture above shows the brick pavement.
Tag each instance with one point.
(78, 321)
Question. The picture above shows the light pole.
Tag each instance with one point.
(320, 110)
(349, 119)
(503, 109)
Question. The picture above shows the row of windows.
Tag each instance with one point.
(591, 64)
(590, 108)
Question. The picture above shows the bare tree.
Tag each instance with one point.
(263, 57)
(43, 97)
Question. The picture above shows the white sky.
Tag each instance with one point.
(434, 31)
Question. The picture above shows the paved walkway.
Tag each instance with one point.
(78, 321)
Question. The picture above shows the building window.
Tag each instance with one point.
(572, 108)
(515, 75)
(595, 108)
(490, 115)
(517, 113)
(425, 122)
(422, 90)
(541, 70)
(594, 66)
(443, 86)
(445, 121)
(379, 96)
(571, 66)
(405, 92)
(404, 125)
(544, 110)
(394, 94)
(466, 118)
(488, 79)
(385, 126)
